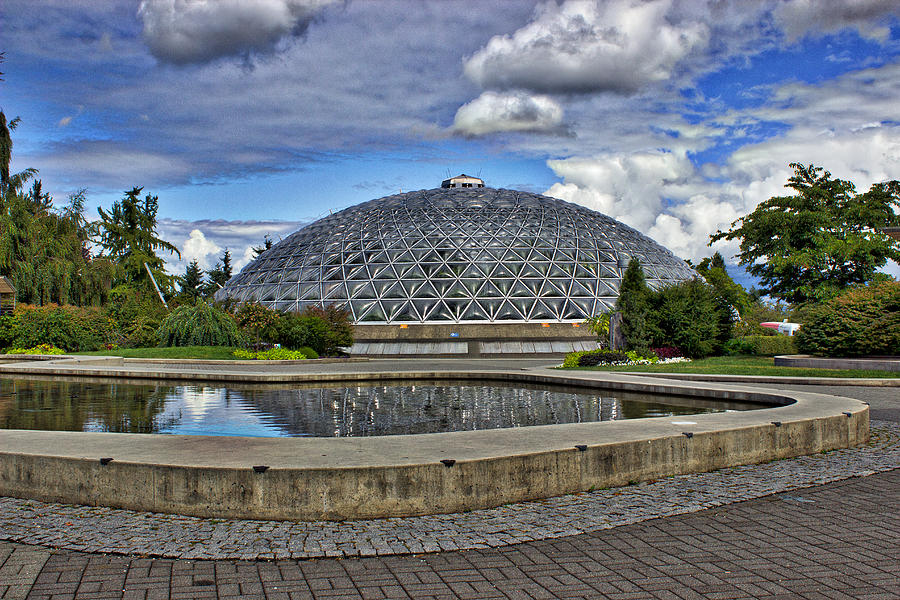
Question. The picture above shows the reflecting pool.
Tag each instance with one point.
(320, 410)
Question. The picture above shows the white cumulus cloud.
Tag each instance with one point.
(627, 187)
(198, 248)
(198, 31)
(588, 46)
(517, 111)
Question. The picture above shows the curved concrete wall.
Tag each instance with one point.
(354, 478)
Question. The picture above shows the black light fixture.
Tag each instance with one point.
(448, 462)
(105, 461)
(260, 468)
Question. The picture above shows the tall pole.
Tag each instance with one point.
(153, 279)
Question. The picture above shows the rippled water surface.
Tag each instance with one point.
(301, 410)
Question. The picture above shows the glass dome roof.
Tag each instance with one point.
(456, 255)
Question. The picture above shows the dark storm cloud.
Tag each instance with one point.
(199, 31)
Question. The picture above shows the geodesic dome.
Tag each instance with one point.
(456, 255)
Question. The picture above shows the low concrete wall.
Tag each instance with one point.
(353, 478)
(888, 363)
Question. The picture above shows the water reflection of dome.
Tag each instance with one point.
(456, 254)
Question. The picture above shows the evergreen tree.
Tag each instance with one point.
(128, 236)
(42, 251)
(267, 243)
(634, 304)
(731, 297)
(191, 282)
(219, 274)
(41, 202)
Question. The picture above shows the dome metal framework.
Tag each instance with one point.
(456, 255)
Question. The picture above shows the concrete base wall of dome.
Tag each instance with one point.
(471, 331)
(470, 340)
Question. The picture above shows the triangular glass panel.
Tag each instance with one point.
(333, 291)
(532, 285)
(310, 274)
(287, 291)
(586, 271)
(582, 289)
(308, 291)
(549, 290)
(506, 312)
(385, 272)
(353, 258)
(266, 293)
(471, 286)
(457, 290)
(561, 270)
(427, 291)
(443, 312)
(393, 307)
(410, 272)
(362, 290)
(390, 290)
(529, 270)
(474, 272)
(500, 270)
(357, 273)
(372, 313)
(554, 306)
(539, 311)
(457, 308)
(489, 290)
(424, 308)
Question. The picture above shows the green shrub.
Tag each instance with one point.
(126, 306)
(601, 357)
(72, 328)
(739, 345)
(9, 330)
(339, 330)
(142, 332)
(572, 358)
(592, 358)
(295, 331)
(761, 345)
(199, 325)
(688, 315)
(858, 322)
(40, 349)
(271, 354)
(257, 320)
(772, 345)
(308, 352)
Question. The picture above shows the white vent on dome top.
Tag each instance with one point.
(463, 181)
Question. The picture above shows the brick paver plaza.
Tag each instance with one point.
(831, 541)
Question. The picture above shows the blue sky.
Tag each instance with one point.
(250, 117)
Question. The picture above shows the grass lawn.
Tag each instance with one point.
(745, 365)
(199, 352)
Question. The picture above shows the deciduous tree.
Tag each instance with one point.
(820, 240)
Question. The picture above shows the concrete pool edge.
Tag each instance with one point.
(362, 478)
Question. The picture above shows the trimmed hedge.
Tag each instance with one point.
(592, 358)
(862, 321)
(761, 345)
